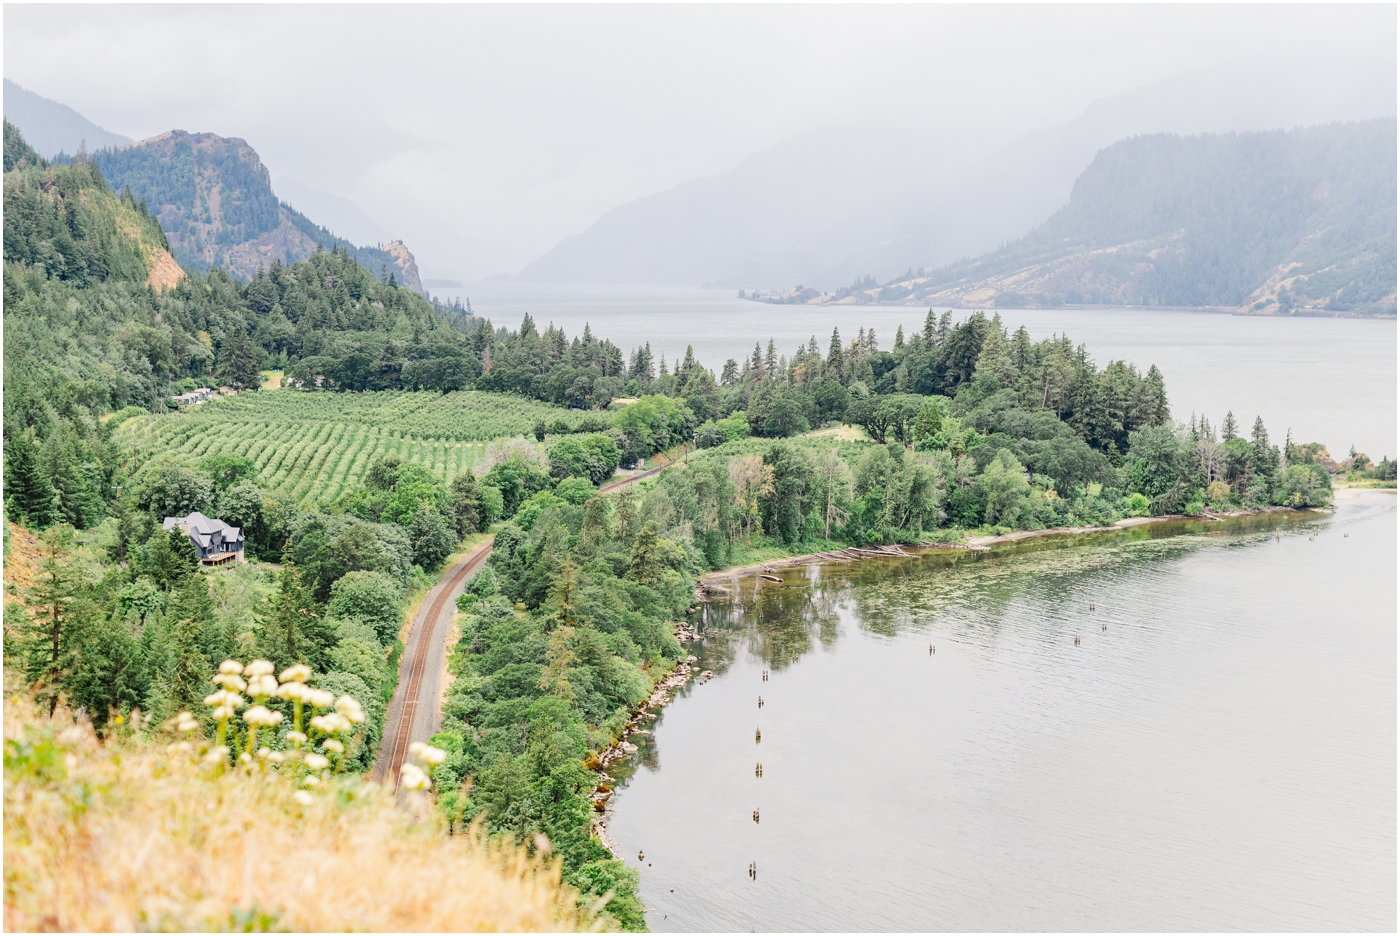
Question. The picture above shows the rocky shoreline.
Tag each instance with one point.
(661, 694)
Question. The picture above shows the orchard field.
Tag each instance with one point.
(316, 446)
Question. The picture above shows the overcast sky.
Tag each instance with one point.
(482, 135)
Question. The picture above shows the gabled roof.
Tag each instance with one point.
(205, 531)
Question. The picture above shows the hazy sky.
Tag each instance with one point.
(484, 134)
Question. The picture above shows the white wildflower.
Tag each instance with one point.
(302, 797)
(262, 685)
(415, 749)
(296, 737)
(318, 698)
(223, 698)
(311, 780)
(276, 757)
(347, 706)
(299, 673)
(411, 777)
(334, 746)
(230, 668)
(259, 668)
(317, 762)
(217, 754)
(432, 756)
(245, 758)
(223, 711)
(292, 690)
(231, 681)
(260, 717)
(264, 751)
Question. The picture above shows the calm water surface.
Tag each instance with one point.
(1329, 380)
(1221, 756)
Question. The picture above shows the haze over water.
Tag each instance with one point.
(1329, 380)
(1222, 756)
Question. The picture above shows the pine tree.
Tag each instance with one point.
(1264, 457)
(770, 361)
(644, 566)
(930, 327)
(835, 363)
(295, 632)
(945, 328)
(1158, 413)
(189, 671)
(110, 673)
(74, 480)
(191, 600)
(899, 337)
(1229, 429)
(466, 504)
(995, 357)
(240, 362)
(29, 490)
(170, 557)
(48, 637)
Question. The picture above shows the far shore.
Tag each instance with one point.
(977, 543)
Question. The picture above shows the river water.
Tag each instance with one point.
(1218, 752)
(1329, 380)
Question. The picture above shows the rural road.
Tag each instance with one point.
(415, 710)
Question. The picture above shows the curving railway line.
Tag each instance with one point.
(413, 713)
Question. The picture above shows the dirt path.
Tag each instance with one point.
(413, 713)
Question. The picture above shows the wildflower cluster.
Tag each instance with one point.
(330, 727)
(411, 775)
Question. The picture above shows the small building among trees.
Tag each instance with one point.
(215, 542)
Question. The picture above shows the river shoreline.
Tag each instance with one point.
(714, 580)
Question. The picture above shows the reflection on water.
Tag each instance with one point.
(1218, 750)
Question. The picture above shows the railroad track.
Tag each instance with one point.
(420, 658)
(632, 479)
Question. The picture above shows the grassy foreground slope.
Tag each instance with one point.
(132, 833)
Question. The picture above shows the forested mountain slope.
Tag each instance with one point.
(1286, 221)
(214, 199)
(86, 332)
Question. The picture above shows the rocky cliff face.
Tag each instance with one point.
(213, 198)
(407, 266)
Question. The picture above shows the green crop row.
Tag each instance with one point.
(465, 416)
(315, 447)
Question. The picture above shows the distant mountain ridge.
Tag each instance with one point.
(831, 206)
(214, 199)
(53, 128)
(1278, 222)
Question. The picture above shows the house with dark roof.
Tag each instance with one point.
(215, 542)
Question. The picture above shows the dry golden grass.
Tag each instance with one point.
(127, 835)
(21, 561)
